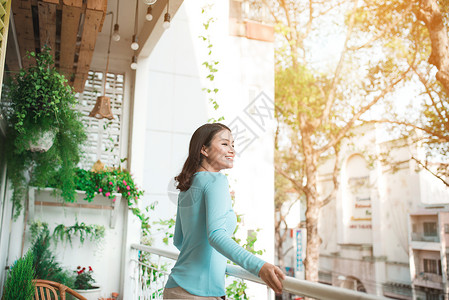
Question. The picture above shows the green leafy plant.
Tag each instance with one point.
(166, 228)
(19, 284)
(45, 263)
(109, 182)
(237, 289)
(84, 279)
(40, 100)
(92, 232)
(210, 63)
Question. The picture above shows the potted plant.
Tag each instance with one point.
(19, 284)
(40, 104)
(85, 283)
(110, 181)
(45, 263)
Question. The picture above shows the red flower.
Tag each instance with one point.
(79, 267)
(90, 269)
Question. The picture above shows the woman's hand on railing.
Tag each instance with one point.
(272, 276)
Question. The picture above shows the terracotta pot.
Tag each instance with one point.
(90, 294)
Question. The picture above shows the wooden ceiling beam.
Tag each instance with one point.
(47, 25)
(92, 23)
(72, 44)
(24, 27)
(69, 31)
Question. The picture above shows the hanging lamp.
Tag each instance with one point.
(102, 108)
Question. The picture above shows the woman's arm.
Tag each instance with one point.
(217, 200)
(178, 235)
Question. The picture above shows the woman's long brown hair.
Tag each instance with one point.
(201, 137)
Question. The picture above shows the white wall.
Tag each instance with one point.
(105, 257)
(175, 106)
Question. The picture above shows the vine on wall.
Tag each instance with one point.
(211, 64)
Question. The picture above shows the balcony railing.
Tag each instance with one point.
(429, 280)
(420, 237)
(149, 279)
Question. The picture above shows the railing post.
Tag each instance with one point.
(132, 225)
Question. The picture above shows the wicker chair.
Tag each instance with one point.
(47, 290)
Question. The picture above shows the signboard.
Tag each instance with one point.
(300, 247)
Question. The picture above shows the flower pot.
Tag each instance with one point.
(44, 142)
(90, 294)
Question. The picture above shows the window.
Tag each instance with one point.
(103, 136)
(432, 266)
(430, 228)
(446, 228)
(433, 296)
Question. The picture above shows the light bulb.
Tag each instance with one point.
(149, 2)
(134, 44)
(149, 15)
(166, 24)
(116, 35)
(134, 62)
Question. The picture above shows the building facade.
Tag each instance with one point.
(377, 234)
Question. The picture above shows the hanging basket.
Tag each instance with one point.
(44, 141)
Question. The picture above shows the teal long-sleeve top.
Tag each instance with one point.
(205, 222)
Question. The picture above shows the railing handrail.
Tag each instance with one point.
(290, 284)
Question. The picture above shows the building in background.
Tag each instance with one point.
(365, 230)
(385, 233)
(428, 240)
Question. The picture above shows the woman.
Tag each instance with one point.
(205, 222)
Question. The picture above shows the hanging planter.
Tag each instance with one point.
(45, 131)
(44, 141)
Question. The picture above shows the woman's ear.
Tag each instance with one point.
(203, 151)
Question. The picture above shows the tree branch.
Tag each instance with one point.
(441, 137)
(387, 29)
(296, 185)
(331, 97)
(430, 171)
(332, 194)
(429, 12)
(342, 133)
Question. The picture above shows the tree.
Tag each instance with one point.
(282, 205)
(425, 23)
(318, 104)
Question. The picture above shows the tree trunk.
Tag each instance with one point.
(313, 239)
(313, 206)
(429, 12)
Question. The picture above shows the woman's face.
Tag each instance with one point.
(220, 154)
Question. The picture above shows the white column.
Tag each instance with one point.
(132, 227)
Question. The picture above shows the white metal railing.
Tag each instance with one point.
(149, 285)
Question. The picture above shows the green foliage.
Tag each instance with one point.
(92, 232)
(40, 100)
(109, 183)
(84, 279)
(210, 64)
(153, 271)
(19, 284)
(44, 261)
(167, 225)
(236, 290)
